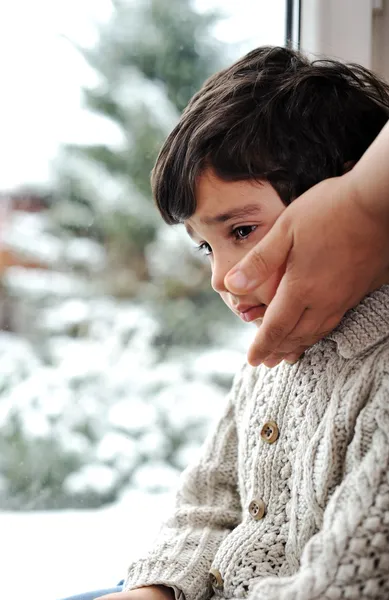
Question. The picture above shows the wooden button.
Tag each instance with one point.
(216, 579)
(257, 509)
(270, 432)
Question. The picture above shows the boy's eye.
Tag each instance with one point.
(204, 248)
(243, 231)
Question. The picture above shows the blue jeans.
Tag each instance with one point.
(96, 593)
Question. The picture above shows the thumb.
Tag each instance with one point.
(262, 261)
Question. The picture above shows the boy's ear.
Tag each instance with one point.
(348, 166)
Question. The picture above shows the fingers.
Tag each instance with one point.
(120, 595)
(262, 261)
(281, 317)
(114, 596)
(308, 331)
(293, 357)
(274, 359)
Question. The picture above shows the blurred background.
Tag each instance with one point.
(115, 356)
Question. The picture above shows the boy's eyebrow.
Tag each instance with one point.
(242, 211)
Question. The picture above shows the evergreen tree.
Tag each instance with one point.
(151, 58)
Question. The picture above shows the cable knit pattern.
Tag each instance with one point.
(324, 481)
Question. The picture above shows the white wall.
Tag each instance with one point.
(380, 45)
(352, 30)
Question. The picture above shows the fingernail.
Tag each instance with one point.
(291, 362)
(237, 280)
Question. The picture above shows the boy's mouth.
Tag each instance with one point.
(250, 313)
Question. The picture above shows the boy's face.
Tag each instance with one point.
(230, 218)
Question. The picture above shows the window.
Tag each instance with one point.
(115, 354)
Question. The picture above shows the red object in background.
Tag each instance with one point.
(18, 201)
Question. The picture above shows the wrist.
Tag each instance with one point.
(369, 192)
(372, 201)
(167, 591)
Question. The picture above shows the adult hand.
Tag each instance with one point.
(336, 250)
(152, 592)
(117, 596)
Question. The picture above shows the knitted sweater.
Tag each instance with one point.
(290, 498)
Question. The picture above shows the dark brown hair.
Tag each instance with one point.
(273, 115)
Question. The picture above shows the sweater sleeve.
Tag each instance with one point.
(207, 508)
(349, 556)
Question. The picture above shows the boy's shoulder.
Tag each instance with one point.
(365, 328)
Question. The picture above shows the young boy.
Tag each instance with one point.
(290, 498)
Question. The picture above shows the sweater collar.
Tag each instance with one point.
(363, 326)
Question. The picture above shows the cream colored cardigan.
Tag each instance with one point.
(290, 499)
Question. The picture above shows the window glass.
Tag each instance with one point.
(115, 354)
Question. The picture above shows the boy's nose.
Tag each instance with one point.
(217, 282)
(219, 271)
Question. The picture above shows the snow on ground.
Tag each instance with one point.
(50, 555)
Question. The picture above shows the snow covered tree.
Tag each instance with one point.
(152, 56)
